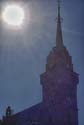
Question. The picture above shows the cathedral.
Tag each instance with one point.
(59, 90)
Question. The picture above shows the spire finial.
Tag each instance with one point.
(58, 6)
(59, 39)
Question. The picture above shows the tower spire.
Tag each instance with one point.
(59, 38)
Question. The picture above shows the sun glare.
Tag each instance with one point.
(13, 15)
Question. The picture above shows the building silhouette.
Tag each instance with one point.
(59, 88)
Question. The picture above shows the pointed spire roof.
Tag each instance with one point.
(59, 38)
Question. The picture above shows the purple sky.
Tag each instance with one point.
(23, 52)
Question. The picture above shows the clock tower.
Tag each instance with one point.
(59, 83)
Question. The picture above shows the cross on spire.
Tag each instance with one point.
(59, 38)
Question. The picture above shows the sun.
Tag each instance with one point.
(13, 15)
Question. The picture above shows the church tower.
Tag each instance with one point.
(59, 83)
